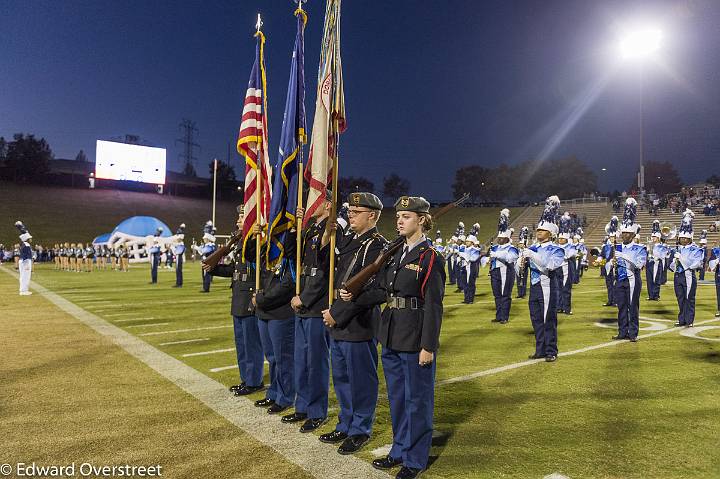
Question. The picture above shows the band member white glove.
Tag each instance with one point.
(528, 253)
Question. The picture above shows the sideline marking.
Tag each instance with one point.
(184, 341)
(204, 353)
(300, 449)
(155, 333)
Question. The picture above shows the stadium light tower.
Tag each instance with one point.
(640, 45)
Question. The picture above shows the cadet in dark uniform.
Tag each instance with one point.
(248, 345)
(353, 348)
(178, 250)
(277, 325)
(312, 339)
(413, 285)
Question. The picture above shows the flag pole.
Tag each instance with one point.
(258, 177)
(214, 189)
(333, 214)
(298, 222)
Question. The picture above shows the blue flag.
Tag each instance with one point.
(284, 195)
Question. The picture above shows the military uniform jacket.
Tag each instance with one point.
(314, 274)
(277, 285)
(355, 322)
(243, 283)
(419, 275)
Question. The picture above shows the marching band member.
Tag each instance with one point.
(353, 348)
(471, 260)
(607, 270)
(714, 266)
(178, 249)
(503, 256)
(521, 266)
(546, 259)
(706, 254)
(25, 259)
(154, 255)
(687, 259)
(567, 275)
(412, 284)
(628, 260)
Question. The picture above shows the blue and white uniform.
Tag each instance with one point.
(631, 258)
(687, 259)
(546, 260)
(503, 259)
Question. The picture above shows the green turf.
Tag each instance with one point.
(55, 214)
(640, 410)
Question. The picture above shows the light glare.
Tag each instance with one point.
(640, 43)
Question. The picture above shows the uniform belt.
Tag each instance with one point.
(309, 271)
(398, 302)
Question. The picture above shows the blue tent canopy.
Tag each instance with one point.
(103, 238)
(142, 226)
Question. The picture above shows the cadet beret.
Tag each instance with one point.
(367, 200)
(417, 204)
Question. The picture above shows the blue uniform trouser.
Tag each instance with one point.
(451, 271)
(566, 291)
(652, 278)
(461, 277)
(501, 282)
(470, 282)
(411, 393)
(206, 279)
(543, 315)
(249, 350)
(277, 338)
(522, 281)
(178, 271)
(560, 278)
(155, 262)
(355, 379)
(610, 285)
(717, 290)
(685, 286)
(627, 296)
(312, 367)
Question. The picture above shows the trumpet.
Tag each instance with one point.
(668, 230)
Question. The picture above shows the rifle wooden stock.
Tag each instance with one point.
(355, 284)
(219, 253)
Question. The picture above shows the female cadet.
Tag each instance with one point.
(412, 284)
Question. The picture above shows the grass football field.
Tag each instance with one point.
(604, 410)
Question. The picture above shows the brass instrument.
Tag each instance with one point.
(668, 231)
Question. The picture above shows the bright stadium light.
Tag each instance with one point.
(641, 43)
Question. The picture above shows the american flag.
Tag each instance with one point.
(329, 119)
(252, 143)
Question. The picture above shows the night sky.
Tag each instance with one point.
(430, 85)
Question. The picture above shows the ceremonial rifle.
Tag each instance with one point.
(355, 284)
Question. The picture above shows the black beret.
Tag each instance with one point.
(367, 200)
(417, 204)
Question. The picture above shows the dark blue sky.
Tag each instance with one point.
(430, 85)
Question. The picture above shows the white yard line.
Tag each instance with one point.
(126, 320)
(151, 325)
(155, 333)
(224, 368)
(530, 362)
(184, 341)
(300, 449)
(205, 353)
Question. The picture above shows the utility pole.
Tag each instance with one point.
(189, 131)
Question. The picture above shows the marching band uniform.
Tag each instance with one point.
(312, 339)
(460, 264)
(155, 255)
(178, 249)
(687, 259)
(450, 254)
(546, 259)
(608, 272)
(25, 259)
(471, 260)
(353, 348)
(521, 266)
(248, 345)
(630, 259)
(659, 253)
(567, 275)
(503, 258)
(713, 266)
(206, 250)
(706, 254)
(412, 284)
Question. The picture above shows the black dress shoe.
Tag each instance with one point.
(504, 321)
(717, 315)
(536, 356)
(608, 304)
(677, 325)
(236, 387)
(245, 390)
(276, 408)
(312, 424)
(408, 473)
(634, 340)
(619, 338)
(333, 437)
(386, 462)
(353, 444)
(294, 417)
(264, 402)
(177, 286)
(550, 359)
(569, 312)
